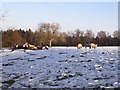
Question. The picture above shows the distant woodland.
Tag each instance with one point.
(49, 34)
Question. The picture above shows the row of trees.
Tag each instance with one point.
(49, 34)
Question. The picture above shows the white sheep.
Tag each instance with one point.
(32, 46)
(92, 45)
(79, 46)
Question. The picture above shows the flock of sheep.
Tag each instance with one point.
(33, 47)
(29, 46)
(91, 45)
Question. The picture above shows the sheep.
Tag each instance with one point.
(79, 46)
(26, 45)
(33, 47)
(92, 45)
(16, 46)
(45, 47)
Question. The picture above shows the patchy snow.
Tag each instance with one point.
(60, 67)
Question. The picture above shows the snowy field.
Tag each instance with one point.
(60, 67)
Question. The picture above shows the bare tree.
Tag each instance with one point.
(78, 36)
(102, 37)
(51, 29)
(88, 36)
(2, 17)
(79, 33)
(101, 34)
(116, 34)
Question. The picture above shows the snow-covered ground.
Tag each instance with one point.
(60, 67)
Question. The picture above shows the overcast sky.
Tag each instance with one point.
(96, 16)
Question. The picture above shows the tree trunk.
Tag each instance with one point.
(50, 42)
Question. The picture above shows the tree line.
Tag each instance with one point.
(49, 34)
